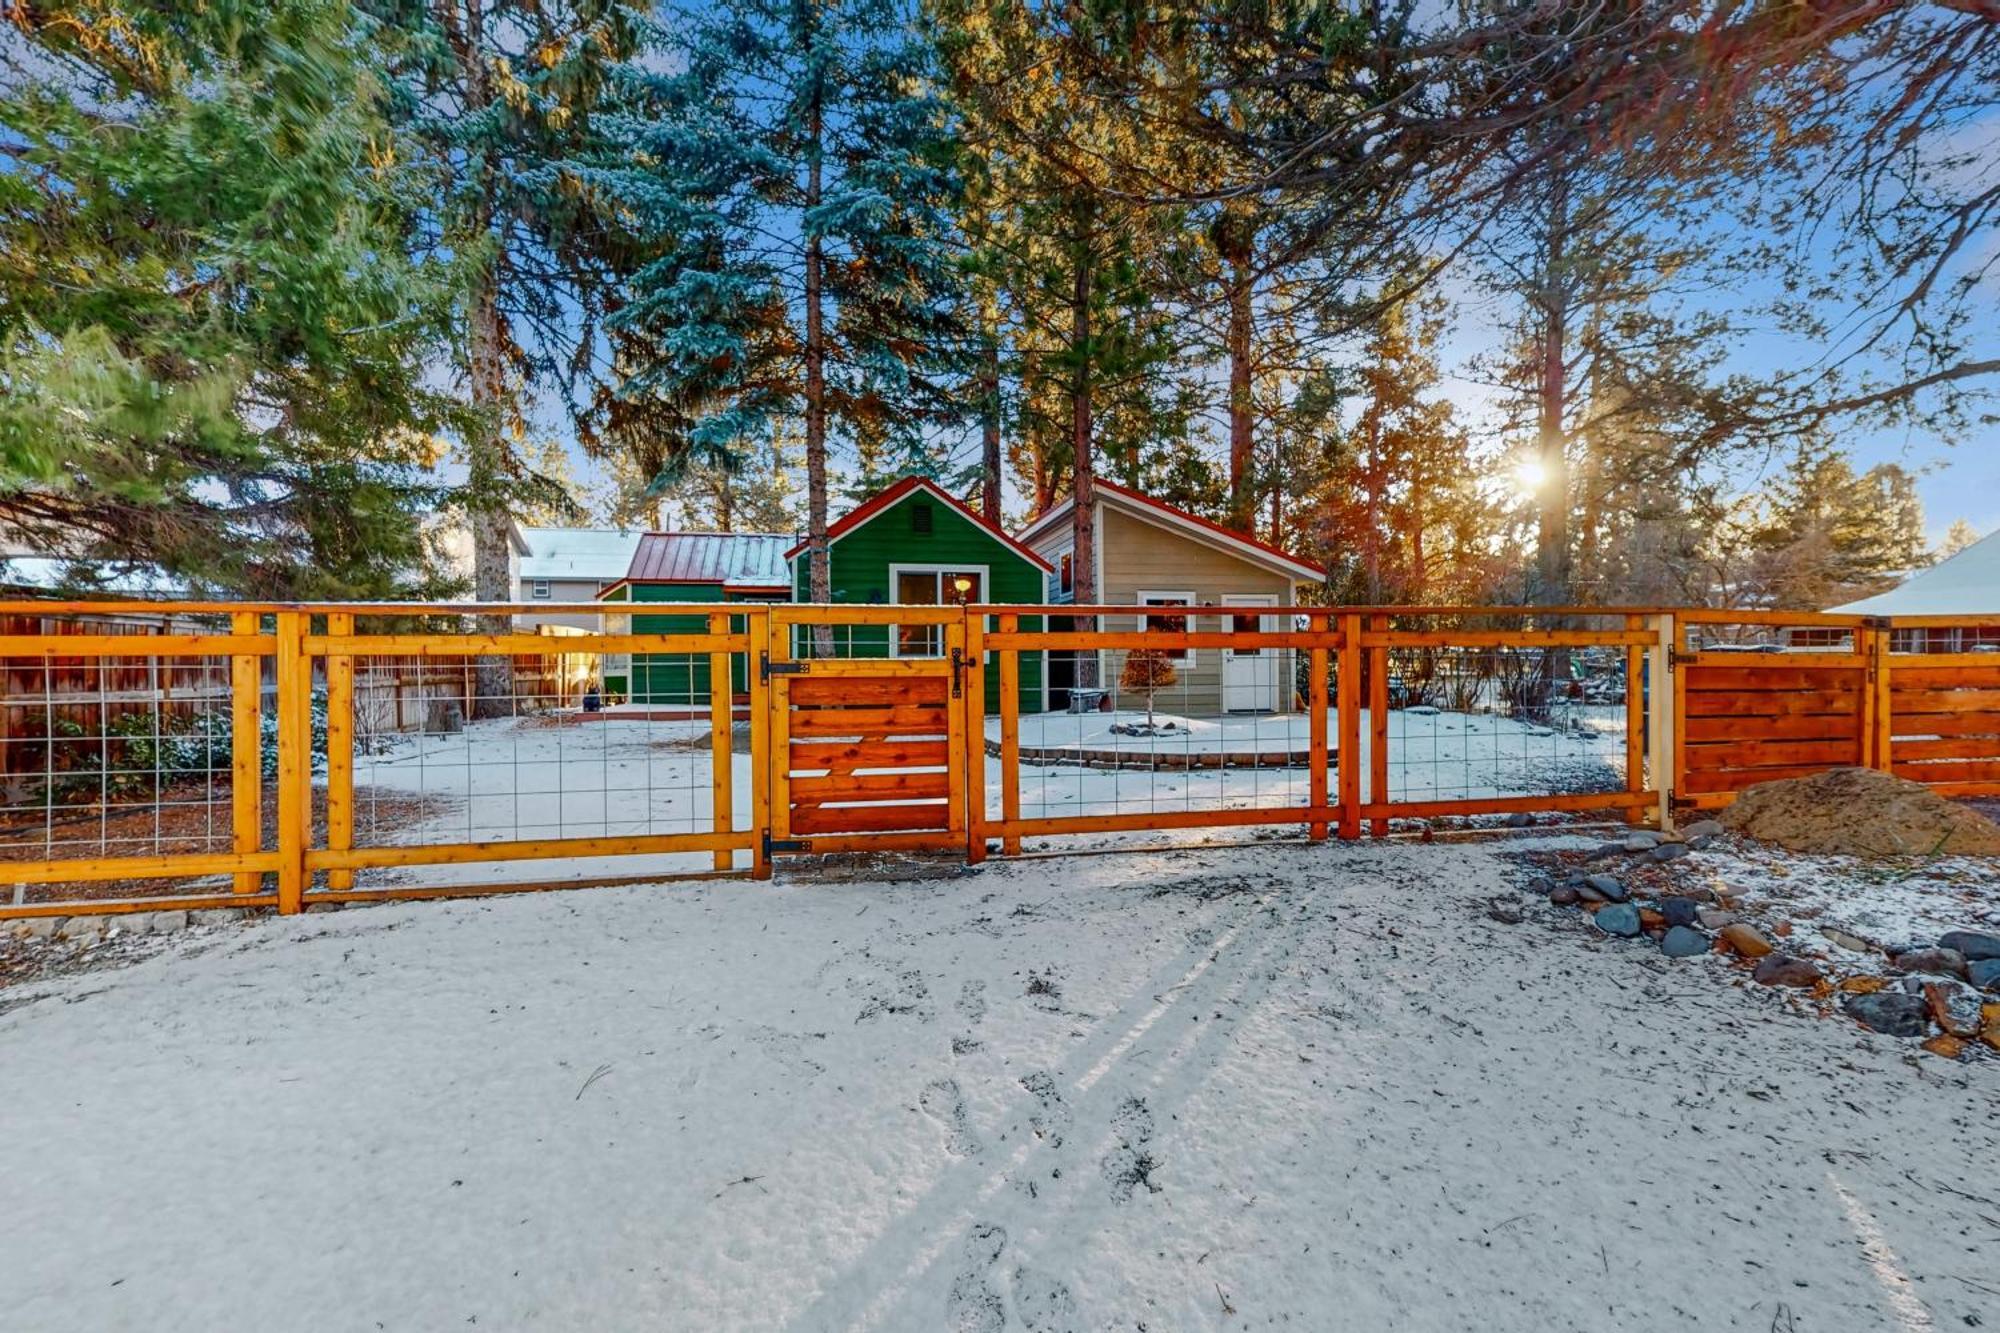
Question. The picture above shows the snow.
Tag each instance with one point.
(1305, 1086)
(1966, 584)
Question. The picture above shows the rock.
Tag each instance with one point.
(1563, 895)
(1702, 843)
(1973, 945)
(1783, 970)
(1935, 962)
(1520, 821)
(1644, 841)
(215, 916)
(1669, 851)
(1703, 828)
(170, 921)
(1618, 919)
(1745, 940)
(1679, 911)
(1846, 940)
(1985, 973)
(1864, 985)
(1948, 1046)
(39, 927)
(1684, 942)
(1714, 918)
(1651, 921)
(1605, 850)
(1608, 887)
(1506, 913)
(82, 927)
(1585, 893)
(324, 907)
(1890, 1013)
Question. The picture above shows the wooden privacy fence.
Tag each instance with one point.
(245, 756)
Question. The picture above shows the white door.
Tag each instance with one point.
(1250, 675)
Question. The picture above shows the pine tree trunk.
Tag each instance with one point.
(1083, 515)
(1552, 556)
(1242, 457)
(1372, 548)
(820, 575)
(486, 448)
(989, 428)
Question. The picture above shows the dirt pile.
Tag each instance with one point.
(1860, 812)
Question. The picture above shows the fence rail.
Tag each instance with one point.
(211, 754)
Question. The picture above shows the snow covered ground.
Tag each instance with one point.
(1301, 1086)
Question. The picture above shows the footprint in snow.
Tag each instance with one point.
(1131, 1163)
(972, 1001)
(1044, 1304)
(1050, 1117)
(972, 1305)
(942, 1101)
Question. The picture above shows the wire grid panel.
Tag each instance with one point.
(1497, 721)
(576, 744)
(1177, 730)
(128, 756)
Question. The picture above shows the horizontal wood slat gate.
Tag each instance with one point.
(894, 728)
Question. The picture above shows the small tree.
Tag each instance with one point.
(1147, 671)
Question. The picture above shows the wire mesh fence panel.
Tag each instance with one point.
(453, 756)
(131, 753)
(1495, 721)
(1159, 718)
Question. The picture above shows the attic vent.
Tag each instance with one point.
(920, 518)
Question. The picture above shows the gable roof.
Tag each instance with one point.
(1967, 584)
(1193, 526)
(742, 561)
(886, 499)
(576, 553)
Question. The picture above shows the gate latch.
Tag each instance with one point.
(957, 672)
(766, 668)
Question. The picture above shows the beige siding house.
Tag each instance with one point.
(1151, 554)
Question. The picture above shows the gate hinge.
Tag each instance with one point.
(773, 845)
(1679, 657)
(766, 668)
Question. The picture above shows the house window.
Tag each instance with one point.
(1066, 573)
(931, 585)
(539, 590)
(1183, 656)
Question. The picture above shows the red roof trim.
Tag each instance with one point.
(882, 500)
(1147, 501)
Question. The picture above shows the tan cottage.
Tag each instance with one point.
(1150, 553)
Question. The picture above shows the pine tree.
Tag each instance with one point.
(211, 345)
(796, 172)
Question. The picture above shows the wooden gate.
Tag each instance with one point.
(867, 749)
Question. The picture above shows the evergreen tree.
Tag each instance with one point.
(211, 349)
(795, 169)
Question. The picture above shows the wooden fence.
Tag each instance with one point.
(297, 754)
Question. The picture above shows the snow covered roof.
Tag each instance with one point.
(736, 560)
(1968, 584)
(577, 553)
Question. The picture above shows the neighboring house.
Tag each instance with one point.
(558, 565)
(1967, 585)
(1151, 554)
(688, 567)
(913, 544)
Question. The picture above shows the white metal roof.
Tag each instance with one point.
(577, 553)
(1968, 584)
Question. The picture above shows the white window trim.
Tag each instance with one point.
(896, 572)
(541, 590)
(1190, 623)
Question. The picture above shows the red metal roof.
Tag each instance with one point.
(883, 499)
(740, 560)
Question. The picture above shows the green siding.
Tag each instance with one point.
(673, 679)
(859, 565)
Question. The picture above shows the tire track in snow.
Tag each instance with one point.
(957, 1205)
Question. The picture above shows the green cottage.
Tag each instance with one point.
(688, 567)
(913, 544)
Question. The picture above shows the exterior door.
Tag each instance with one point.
(1250, 674)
